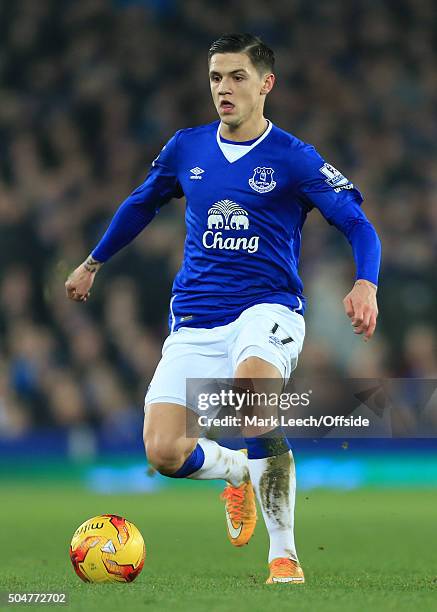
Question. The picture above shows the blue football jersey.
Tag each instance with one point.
(244, 218)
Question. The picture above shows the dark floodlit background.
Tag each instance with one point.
(90, 90)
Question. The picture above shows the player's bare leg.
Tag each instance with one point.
(272, 472)
(173, 454)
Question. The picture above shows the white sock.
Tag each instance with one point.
(274, 481)
(221, 462)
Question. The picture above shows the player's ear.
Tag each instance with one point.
(268, 82)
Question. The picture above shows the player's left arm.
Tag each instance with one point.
(320, 185)
(361, 307)
(360, 303)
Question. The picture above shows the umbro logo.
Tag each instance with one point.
(196, 173)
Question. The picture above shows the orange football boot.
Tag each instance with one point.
(285, 570)
(240, 508)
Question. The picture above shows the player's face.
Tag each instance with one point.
(237, 88)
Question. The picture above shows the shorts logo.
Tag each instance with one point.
(262, 179)
(334, 178)
(228, 215)
(277, 341)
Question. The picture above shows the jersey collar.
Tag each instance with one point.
(236, 151)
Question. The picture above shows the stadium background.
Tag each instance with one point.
(90, 91)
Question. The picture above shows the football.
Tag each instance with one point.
(107, 548)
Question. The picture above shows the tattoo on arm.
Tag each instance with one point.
(91, 264)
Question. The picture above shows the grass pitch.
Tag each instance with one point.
(361, 550)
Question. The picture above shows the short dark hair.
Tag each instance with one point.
(261, 56)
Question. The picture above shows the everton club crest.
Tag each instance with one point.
(262, 179)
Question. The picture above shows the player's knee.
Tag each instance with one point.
(163, 456)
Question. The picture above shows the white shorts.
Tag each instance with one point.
(270, 331)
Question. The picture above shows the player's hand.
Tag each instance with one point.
(361, 307)
(80, 281)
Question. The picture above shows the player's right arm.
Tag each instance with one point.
(133, 215)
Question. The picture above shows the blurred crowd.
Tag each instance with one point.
(90, 91)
